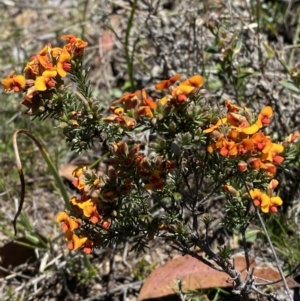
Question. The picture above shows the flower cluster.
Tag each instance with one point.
(189, 154)
(97, 208)
(44, 72)
(266, 201)
(131, 107)
(238, 137)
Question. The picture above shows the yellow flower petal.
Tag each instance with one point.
(276, 200)
(78, 242)
(62, 216)
(40, 83)
(164, 100)
(20, 79)
(195, 81)
(265, 200)
(249, 130)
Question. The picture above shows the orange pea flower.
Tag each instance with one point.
(14, 82)
(220, 122)
(75, 46)
(44, 58)
(165, 100)
(147, 105)
(195, 81)
(266, 203)
(75, 242)
(273, 154)
(264, 117)
(231, 107)
(235, 135)
(249, 130)
(145, 111)
(246, 145)
(130, 100)
(148, 101)
(56, 51)
(77, 172)
(258, 197)
(123, 121)
(261, 142)
(106, 224)
(271, 204)
(143, 165)
(68, 223)
(46, 80)
(63, 63)
(181, 92)
(117, 110)
(165, 84)
(32, 68)
(87, 247)
(79, 182)
(229, 148)
(270, 169)
(80, 202)
(237, 120)
(156, 181)
(256, 163)
(273, 184)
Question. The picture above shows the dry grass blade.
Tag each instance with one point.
(50, 164)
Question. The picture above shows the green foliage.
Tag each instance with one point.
(173, 196)
(283, 233)
(143, 268)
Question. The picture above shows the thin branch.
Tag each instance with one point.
(275, 255)
(117, 289)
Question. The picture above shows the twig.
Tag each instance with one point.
(275, 255)
(117, 289)
(181, 296)
(264, 294)
(294, 270)
(125, 255)
(12, 275)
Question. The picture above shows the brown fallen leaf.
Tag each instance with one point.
(66, 170)
(196, 275)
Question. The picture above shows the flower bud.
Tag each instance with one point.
(106, 224)
(41, 109)
(242, 166)
(172, 126)
(291, 138)
(72, 114)
(73, 123)
(231, 190)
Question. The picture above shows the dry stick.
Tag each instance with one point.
(275, 255)
(181, 296)
(12, 275)
(264, 294)
(292, 272)
(125, 256)
(117, 289)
